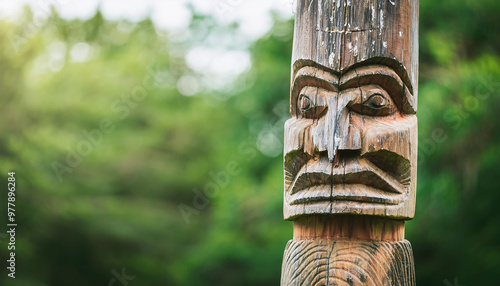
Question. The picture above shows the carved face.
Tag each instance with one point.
(351, 144)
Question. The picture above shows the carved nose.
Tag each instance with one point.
(339, 132)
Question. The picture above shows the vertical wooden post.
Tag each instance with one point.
(351, 144)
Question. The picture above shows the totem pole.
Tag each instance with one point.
(351, 144)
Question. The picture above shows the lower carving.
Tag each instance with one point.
(349, 263)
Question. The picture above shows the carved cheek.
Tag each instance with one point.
(318, 140)
(390, 134)
(298, 136)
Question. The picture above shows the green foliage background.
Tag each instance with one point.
(119, 207)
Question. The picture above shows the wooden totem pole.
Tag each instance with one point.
(351, 144)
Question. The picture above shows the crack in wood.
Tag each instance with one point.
(349, 31)
(350, 148)
(353, 263)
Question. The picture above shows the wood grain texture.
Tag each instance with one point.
(348, 227)
(350, 151)
(351, 144)
(339, 34)
(347, 263)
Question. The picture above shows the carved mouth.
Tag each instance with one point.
(353, 179)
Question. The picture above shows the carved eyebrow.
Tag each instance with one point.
(385, 77)
(314, 76)
(311, 76)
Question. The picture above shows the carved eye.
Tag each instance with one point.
(373, 101)
(376, 101)
(304, 103)
(311, 102)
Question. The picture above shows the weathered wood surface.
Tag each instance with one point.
(351, 143)
(348, 263)
(339, 34)
(348, 227)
